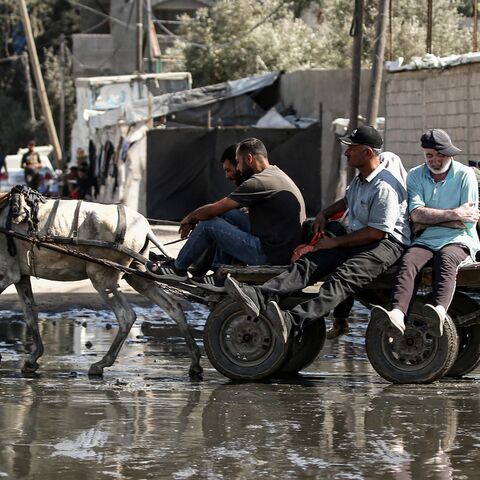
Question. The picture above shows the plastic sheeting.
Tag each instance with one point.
(163, 105)
(184, 169)
(429, 61)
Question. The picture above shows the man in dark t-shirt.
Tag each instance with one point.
(276, 209)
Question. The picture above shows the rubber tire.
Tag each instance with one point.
(441, 357)
(468, 357)
(225, 355)
(305, 349)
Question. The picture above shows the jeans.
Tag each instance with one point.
(350, 270)
(230, 238)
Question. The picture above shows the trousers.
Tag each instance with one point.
(445, 263)
(230, 239)
(349, 270)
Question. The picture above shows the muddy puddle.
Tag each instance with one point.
(146, 420)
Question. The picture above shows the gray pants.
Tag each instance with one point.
(445, 264)
(350, 269)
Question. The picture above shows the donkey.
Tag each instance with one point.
(80, 222)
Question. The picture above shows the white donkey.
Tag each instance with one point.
(82, 222)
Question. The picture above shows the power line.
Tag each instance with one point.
(118, 47)
(170, 33)
(224, 44)
(98, 12)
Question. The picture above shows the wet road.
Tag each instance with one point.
(146, 420)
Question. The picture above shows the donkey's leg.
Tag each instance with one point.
(117, 301)
(24, 289)
(154, 293)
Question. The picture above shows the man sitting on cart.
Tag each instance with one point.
(378, 233)
(276, 212)
(443, 205)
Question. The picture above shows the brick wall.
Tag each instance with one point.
(448, 99)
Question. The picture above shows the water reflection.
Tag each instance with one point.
(147, 420)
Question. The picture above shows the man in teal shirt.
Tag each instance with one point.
(443, 206)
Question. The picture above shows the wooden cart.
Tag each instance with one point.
(245, 348)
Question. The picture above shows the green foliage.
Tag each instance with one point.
(49, 19)
(236, 39)
(247, 37)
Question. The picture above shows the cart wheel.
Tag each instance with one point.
(416, 356)
(468, 357)
(304, 349)
(241, 347)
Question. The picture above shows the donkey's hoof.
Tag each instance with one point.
(30, 367)
(96, 370)
(195, 372)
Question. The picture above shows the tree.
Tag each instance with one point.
(49, 19)
(247, 37)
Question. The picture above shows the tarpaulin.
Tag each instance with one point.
(184, 169)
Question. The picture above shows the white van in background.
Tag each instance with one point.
(49, 177)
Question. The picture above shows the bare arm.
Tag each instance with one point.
(364, 236)
(417, 227)
(206, 212)
(432, 216)
(325, 214)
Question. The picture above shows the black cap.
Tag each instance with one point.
(440, 141)
(364, 135)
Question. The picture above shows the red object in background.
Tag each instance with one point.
(3, 176)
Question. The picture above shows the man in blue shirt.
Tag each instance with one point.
(378, 233)
(443, 206)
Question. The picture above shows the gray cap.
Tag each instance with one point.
(440, 141)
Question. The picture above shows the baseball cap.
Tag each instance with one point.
(364, 135)
(440, 141)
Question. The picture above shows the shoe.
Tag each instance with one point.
(245, 295)
(210, 282)
(434, 317)
(166, 271)
(281, 321)
(388, 318)
(339, 328)
(157, 257)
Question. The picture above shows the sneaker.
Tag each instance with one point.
(245, 295)
(166, 271)
(339, 328)
(210, 282)
(434, 317)
(388, 318)
(281, 321)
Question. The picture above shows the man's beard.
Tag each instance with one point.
(245, 174)
(441, 170)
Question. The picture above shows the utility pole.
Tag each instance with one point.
(475, 26)
(31, 105)
(377, 63)
(140, 65)
(42, 93)
(429, 25)
(149, 36)
(61, 120)
(356, 31)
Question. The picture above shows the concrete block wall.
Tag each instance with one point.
(313, 91)
(448, 99)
